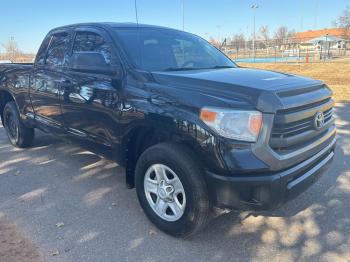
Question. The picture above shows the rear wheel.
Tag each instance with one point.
(18, 134)
(171, 189)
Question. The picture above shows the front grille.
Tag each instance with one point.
(298, 127)
(293, 127)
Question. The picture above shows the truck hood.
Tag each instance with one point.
(236, 86)
(250, 78)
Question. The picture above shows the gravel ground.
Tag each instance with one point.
(74, 206)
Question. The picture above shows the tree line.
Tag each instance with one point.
(12, 51)
(282, 35)
(264, 38)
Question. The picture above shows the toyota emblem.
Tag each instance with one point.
(319, 120)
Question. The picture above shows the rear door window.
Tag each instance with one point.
(57, 52)
(92, 42)
(40, 57)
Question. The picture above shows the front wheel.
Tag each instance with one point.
(18, 134)
(171, 189)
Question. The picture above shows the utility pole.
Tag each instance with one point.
(254, 7)
(183, 15)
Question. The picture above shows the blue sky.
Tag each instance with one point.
(29, 20)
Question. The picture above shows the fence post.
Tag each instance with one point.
(275, 51)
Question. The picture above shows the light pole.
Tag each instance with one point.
(326, 48)
(254, 7)
(183, 15)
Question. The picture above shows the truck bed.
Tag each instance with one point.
(14, 67)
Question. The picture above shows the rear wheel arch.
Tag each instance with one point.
(5, 97)
(18, 134)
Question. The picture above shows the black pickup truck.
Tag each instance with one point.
(193, 130)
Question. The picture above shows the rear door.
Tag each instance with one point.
(48, 75)
(91, 100)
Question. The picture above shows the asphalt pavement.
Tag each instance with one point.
(74, 206)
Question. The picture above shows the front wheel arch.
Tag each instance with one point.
(145, 136)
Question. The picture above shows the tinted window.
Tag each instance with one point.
(56, 54)
(92, 42)
(40, 58)
(165, 49)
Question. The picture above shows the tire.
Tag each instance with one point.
(178, 163)
(18, 134)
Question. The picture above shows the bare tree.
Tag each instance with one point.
(264, 35)
(343, 20)
(12, 51)
(281, 36)
(238, 41)
(281, 32)
(291, 33)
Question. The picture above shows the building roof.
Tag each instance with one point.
(337, 32)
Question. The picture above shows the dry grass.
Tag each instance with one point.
(335, 74)
(21, 58)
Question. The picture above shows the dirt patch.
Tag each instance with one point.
(335, 74)
(14, 247)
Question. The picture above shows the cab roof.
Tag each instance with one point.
(110, 25)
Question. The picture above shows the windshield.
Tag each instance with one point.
(169, 50)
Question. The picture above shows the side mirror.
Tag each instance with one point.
(89, 62)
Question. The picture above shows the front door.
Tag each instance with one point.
(91, 100)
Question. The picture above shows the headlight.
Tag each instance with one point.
(234, 124)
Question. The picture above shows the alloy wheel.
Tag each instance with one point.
(165, 192)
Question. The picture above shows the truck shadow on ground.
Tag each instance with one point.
(56, 181)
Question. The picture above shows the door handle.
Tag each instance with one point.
(126, 107)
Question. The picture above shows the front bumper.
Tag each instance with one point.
(268, 191)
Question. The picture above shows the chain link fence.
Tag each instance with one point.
(286, 50)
